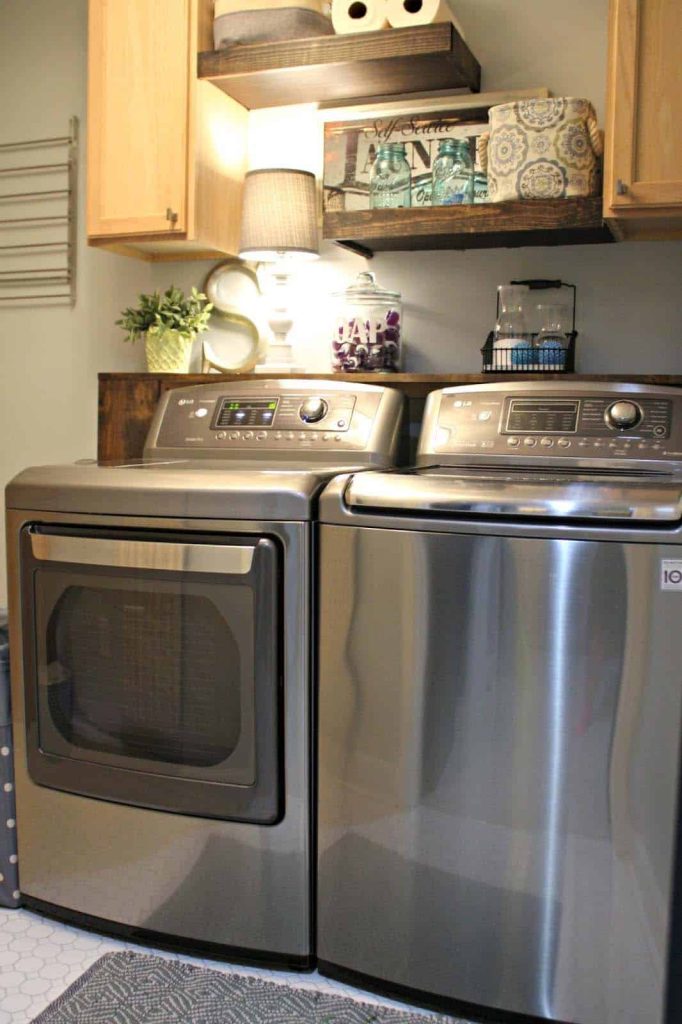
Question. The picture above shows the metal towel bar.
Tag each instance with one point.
(37, 283)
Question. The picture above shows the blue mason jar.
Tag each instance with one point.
(390, 180)
(452, 173)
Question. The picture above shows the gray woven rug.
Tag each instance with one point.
(132, 988)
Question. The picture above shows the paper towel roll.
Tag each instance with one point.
(358, 16)
(403, 13)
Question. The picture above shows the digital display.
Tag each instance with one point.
(246, 413)
(542, 417)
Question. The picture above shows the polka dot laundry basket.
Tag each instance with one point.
(9, 884)
(542, 149)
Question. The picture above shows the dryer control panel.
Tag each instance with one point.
(548, 423)
(287, 419)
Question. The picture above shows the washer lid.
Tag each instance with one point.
(522, 493)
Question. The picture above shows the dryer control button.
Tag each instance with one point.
(529, 442)
(248, 435)
(261, 435)
(547, 442)
(221, 435)
(563, 442)
(235, 435)
(513, 442)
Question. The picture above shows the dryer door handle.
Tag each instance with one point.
(223, 559)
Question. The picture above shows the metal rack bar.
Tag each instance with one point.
(8, 221)
(17, 275)
(34, 167)
(33, 283)
(34, 195)
(34, 298)
(41, 277)
(34, 245)
(59, 140)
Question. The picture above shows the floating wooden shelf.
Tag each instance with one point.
(484, 226)
(339, 68)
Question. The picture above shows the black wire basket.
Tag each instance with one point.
(532, 358)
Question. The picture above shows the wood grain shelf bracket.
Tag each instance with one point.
(484, 226)
(339, 68)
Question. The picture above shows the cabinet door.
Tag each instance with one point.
(643, 166)
(138, 101)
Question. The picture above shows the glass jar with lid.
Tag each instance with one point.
(390, 180)
(367, 328)
(552, 339)
(512, 341)
(452, 173)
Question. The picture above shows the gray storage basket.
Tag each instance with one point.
(9, 875)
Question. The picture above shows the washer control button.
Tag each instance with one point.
(261, 435)
(313, 409)
(234, 435)
(529, 442)
(325, 437)
(201, 412)
(547, 442)
(563, 442)
(290, 435)
(248, 435)
(221, 435)
(513, 442)
(623, 415)
(659, 431)
(337, 437)
(341, 424)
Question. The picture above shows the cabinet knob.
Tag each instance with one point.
(171, 215)
(621, 187)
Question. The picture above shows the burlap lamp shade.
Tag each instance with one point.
(279, 215)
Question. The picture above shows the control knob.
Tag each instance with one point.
(313, 409)
(623, 415)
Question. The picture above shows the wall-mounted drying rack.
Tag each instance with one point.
(38, 225)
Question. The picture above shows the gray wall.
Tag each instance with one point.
(629, 294)
(50, 357)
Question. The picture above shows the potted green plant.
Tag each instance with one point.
(169, 323)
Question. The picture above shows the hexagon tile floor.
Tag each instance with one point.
(39, 958)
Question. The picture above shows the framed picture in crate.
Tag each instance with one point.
(351, 145)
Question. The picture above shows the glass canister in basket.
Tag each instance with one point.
(367, 328)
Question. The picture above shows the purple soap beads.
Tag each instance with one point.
(366, 336)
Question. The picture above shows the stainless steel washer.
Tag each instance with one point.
(500, 708)
(161, 615)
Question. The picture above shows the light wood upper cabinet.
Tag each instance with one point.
(166, 153)
(643, 158)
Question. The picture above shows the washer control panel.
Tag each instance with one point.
(559, 422)
(290, 417)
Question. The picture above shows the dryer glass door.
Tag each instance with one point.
(153, 669)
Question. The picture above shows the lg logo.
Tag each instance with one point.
(671, 575)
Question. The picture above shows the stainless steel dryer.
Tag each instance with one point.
(161, 615)
(500, 709)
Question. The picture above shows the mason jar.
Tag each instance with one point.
(452, 173)
(367, 328)
(390, 180)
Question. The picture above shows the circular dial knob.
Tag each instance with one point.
(313, 409)
(623, 415)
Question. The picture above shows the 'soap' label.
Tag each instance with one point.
(671, 574)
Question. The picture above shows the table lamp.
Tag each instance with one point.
(279, 228)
